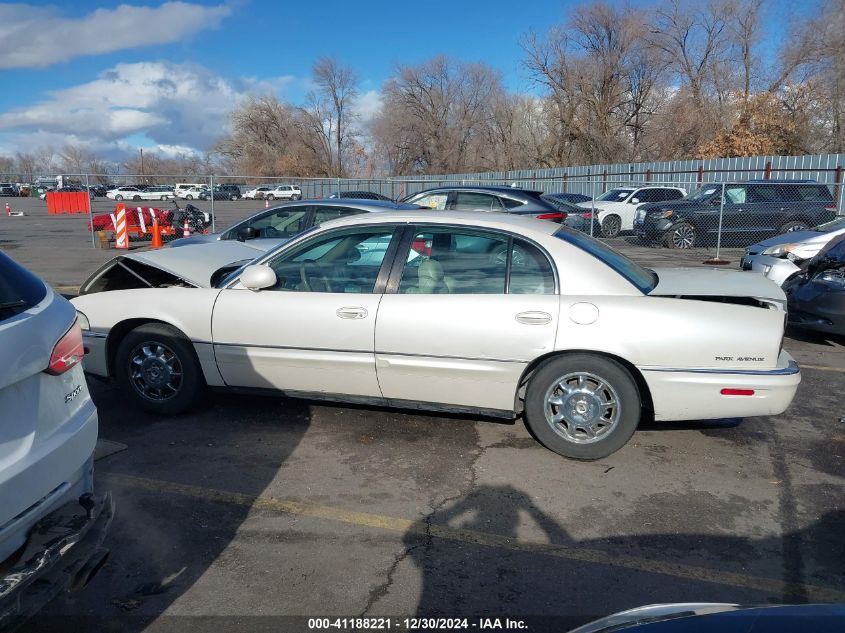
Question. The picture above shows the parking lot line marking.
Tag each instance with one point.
(771, 586)
(823, 368)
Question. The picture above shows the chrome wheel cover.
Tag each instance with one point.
(683, 237)
(155, 371)
(582, 408)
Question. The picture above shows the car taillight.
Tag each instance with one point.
(67, 352)
(588, 215)
(558, 217)
(830, 207)
(737, 392)
(423, 247)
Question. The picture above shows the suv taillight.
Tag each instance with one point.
(588, 215)
(830, 207)
(559, 217)
(67, 352)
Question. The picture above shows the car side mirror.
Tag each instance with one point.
(257, 277)
(247, 233)
(634, 201)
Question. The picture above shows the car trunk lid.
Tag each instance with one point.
(716, 284)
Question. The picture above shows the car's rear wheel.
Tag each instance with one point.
(118, 198)
(269, 197)
(582, 406)
(611, 226)
(233, 198)
(680, 236)
(163, 198)
(794, 225)
(189, 197)
(295, 197)
(156, 367)
(136, 197)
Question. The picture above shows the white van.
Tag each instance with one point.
(182, 187)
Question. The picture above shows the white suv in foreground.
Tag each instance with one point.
(51, 525)
(284, 192)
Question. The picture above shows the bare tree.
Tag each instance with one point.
(330, 105)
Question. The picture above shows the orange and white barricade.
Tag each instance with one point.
(121, 235)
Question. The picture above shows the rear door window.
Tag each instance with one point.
(736, 194)
(472, 201)
(20, 290)
(326, 213)
(432, 200)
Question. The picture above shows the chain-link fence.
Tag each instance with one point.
(706, 211)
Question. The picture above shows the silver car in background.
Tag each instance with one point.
(778, 258)
(272, 227)
(51, 524)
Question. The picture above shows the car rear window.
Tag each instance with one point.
(19, 289)
(643, 278)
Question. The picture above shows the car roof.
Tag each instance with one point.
(492, 188)
(480, 219)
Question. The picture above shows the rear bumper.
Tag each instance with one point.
(694, 394)
(63, 552)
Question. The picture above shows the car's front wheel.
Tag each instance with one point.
(611, 226)
(680, 236)
(156, 367)
(163, 198)
(189, 197)
(233, 197)
(269, 197)
(118, 198)
(794, 225)
(296, 197)
(582, 406)
(136, 197)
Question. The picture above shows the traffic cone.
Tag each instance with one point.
(266, 204)
(186, 231)
(8, 210)
(157, 243)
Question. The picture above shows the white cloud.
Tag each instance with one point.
(33, 36)
(182, 105)
(368, 105)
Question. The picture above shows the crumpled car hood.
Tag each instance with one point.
(715, 282)
(195, 263)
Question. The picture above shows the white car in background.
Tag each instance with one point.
(453, 311)
(195, 193)
(51, 524)
(615, 209)
(140, 193)
(283, 192)
(778, 257)
(256, 193)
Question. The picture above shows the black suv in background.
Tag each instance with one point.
(501, 199)
(752, 211)
(226, 192)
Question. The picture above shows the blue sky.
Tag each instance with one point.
(163, 75)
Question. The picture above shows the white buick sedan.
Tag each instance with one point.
(488, 313)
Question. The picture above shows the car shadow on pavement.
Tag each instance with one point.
(163, 542)
(495, 553)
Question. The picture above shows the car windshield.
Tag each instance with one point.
(643, 278)
(704, 193)
(615, 195)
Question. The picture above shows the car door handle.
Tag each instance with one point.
(352, 313)
(534, 318)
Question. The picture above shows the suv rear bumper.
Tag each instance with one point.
(63, 552)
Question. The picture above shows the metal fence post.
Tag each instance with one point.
(211, 183)
(90, 211)
(719, 233)
(592, 207)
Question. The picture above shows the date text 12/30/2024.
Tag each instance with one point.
(416, 624)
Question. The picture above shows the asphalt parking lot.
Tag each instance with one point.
(255, 508)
